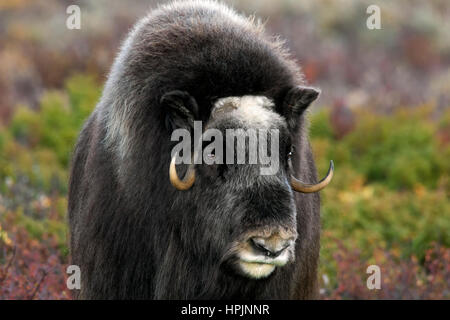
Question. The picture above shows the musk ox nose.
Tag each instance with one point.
(271, 247)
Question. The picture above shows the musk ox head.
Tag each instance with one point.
(238, 171)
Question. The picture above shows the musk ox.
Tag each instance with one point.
(143, 227)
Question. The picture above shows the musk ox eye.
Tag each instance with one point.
(290, 152)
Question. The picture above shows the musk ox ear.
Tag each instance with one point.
(296, 101)
(181, 110)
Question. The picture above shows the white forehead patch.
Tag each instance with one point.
(252, 109)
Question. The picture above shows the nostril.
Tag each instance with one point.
(277, 253)
(260, 245)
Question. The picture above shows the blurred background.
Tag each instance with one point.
(383, 117)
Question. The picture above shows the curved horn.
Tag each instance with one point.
(299, 186)
(188, 180)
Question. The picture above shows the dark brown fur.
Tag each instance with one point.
(133, 234)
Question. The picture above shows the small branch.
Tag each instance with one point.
(6, 270)
(38, 286)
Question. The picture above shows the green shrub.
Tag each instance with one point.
(399, 151)
(26, 126)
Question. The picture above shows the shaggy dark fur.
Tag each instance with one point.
(133, 234)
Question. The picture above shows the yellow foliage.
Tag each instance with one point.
(4, 237)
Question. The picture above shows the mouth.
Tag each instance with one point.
(258, 253)
(256, 263)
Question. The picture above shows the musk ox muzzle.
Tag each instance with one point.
(261, 251)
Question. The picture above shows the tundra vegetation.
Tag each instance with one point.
(389, 200)
(388, 205)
